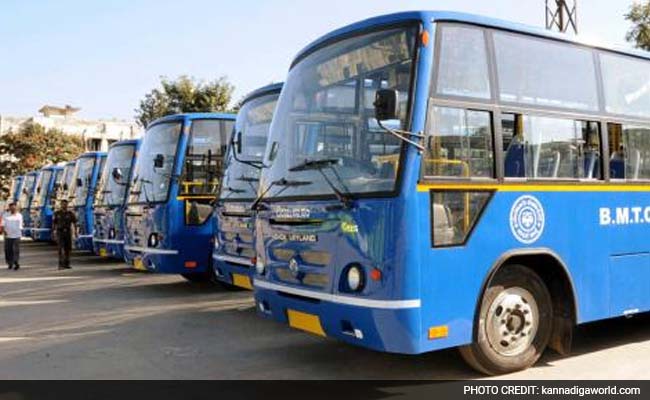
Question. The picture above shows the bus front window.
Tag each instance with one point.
(40, 194)
(153, 169)
(111, 190)
(204, 157)
(81, 181)
(28, 185)
(252, 127)
(325, 117)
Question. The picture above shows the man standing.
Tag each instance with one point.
(62, 224)
(12, 227)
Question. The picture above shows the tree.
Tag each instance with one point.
(31, 147)
(182, 95)
(639, 33)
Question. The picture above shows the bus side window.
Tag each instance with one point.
(629, 149)
(459, 143)
(550, 148)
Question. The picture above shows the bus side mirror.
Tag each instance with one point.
(159, 161)
(80, 182)
(117, 174)
(386, 104)
(65, 186)
(236, 142)
(274, 151)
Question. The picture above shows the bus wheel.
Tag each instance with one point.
(514, 323)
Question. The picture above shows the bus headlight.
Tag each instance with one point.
(260, 268)
(111, 233)
(355, 278)
(216, 242)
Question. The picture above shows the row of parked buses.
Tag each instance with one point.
(151, 202)
(422, 180)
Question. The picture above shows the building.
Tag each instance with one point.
(97, 134)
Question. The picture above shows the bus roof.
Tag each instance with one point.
(450, 16)
(264, 90)
(52, 167)
(126, 142)
(191, 116)
(93, 154)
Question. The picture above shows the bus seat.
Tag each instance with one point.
(616, 167)
(514, 161)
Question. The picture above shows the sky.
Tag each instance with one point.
(104, 56)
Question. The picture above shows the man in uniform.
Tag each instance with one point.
(63, 222)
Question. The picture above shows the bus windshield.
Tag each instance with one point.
(154, 167)
(14, 186)
(68, 172)
(82, 178)
(42, 184)
(253, 121)
(203, 164)
(326, 114)
(111, 190)
(28, 186)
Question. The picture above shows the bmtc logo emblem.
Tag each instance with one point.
(527, 219)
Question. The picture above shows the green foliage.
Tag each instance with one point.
(183, 95)
(31, 147)
(639, 33)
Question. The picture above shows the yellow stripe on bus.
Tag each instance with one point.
(535, 187)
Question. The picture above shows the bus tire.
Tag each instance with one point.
(514, 323)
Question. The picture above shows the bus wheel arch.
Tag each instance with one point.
(555, 274)
(538, 268)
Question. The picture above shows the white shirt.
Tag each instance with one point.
(13, 225)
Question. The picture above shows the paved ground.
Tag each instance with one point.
(101, 320)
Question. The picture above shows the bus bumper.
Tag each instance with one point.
(381, 329)
(109, 248)
(163, 261)
(41, 234)
(235, 271)
(84, 243)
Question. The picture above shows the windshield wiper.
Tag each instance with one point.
(318, 165)
(234, 190)
(404, 135)
(281, 182)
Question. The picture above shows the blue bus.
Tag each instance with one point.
(432, 183)
(234, 249)
(25, 201)
(81, 195)
(175, 182)
(41, 210)
(16, 188)
(110, 201)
